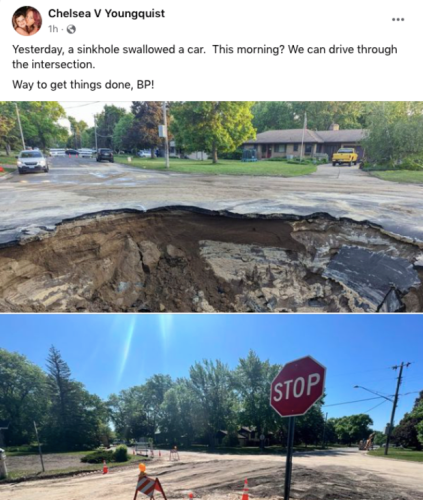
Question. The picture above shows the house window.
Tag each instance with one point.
(308, 148)
(295, 147)
(280, 148)
(319, 148)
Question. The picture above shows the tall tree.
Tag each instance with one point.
(106, 123)
(214, 126)
(213, 387)
(252, 381)
(409, 432)
(276, 115)
(9, 132)
(23, 396)
(62, 395)
(77, 130)
(122, 137)
(40, 123)
(144, 133)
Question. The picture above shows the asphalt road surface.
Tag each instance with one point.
(76, 187)
(334, 474)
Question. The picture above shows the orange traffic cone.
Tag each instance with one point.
(105, 468)
(160, 453)
(191, 496)
(245, 490)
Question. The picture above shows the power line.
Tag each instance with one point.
(351, 402)
(373, 407)
(82, 105)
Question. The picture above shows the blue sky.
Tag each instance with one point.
(112, 352)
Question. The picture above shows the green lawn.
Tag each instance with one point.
(408, 176)
(414, 456)
(225, 167)
(7, 160)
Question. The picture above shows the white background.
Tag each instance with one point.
(230, 77)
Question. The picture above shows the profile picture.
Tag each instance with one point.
(27, 21)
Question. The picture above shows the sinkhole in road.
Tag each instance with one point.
(189, 260)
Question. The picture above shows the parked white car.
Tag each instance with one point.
(145, 153)
(57, 152)
(85, 153)
(32, 161)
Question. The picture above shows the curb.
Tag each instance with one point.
(6, 176)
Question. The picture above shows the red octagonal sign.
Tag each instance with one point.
(297, 387)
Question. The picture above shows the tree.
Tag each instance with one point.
(127, 411)
(395, 134)
(309, 427)
(122, 138)
(23, 397)
(276, 115)
(148, 115)
(409, 432)
(40, 123)
(77, 420)
(252, 380)
(215, 126)
(155, 389)
(106, 123)
(77, 130)
(353, 428)
(9, 132)
(212, 385)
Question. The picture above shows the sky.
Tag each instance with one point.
(85, 110)
(109, 353)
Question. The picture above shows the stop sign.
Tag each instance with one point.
(297, 387)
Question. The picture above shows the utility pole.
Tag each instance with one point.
(302, 140)
(394, 406)
(95, 131)
(166, 134)
(324, 431)
(20, 126)
(39, 447)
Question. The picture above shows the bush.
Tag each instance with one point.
(97, 457)
(407, 164)
(230, 440)
(233, 155)
(121, 454)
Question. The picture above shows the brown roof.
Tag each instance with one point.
(286, 136)
(294, 136)
(342, 135)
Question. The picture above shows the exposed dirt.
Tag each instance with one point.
(52, 461)
(180, 260)
(328, 476)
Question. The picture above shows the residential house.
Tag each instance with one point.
(312, 144)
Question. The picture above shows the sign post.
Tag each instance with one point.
(296, 388)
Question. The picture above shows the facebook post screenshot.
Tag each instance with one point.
(198, 297)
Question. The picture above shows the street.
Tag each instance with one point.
(340, 474)
(76, 187)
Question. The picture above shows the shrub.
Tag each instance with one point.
(121, 454)
(97, 457)
(230, 440)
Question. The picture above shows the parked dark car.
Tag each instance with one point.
(105, 154)
(72, 152)
(32, 161)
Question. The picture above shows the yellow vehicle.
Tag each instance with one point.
(345, 155)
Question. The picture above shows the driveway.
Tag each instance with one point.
(76, 187)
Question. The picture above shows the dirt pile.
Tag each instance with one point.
(180, 260)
